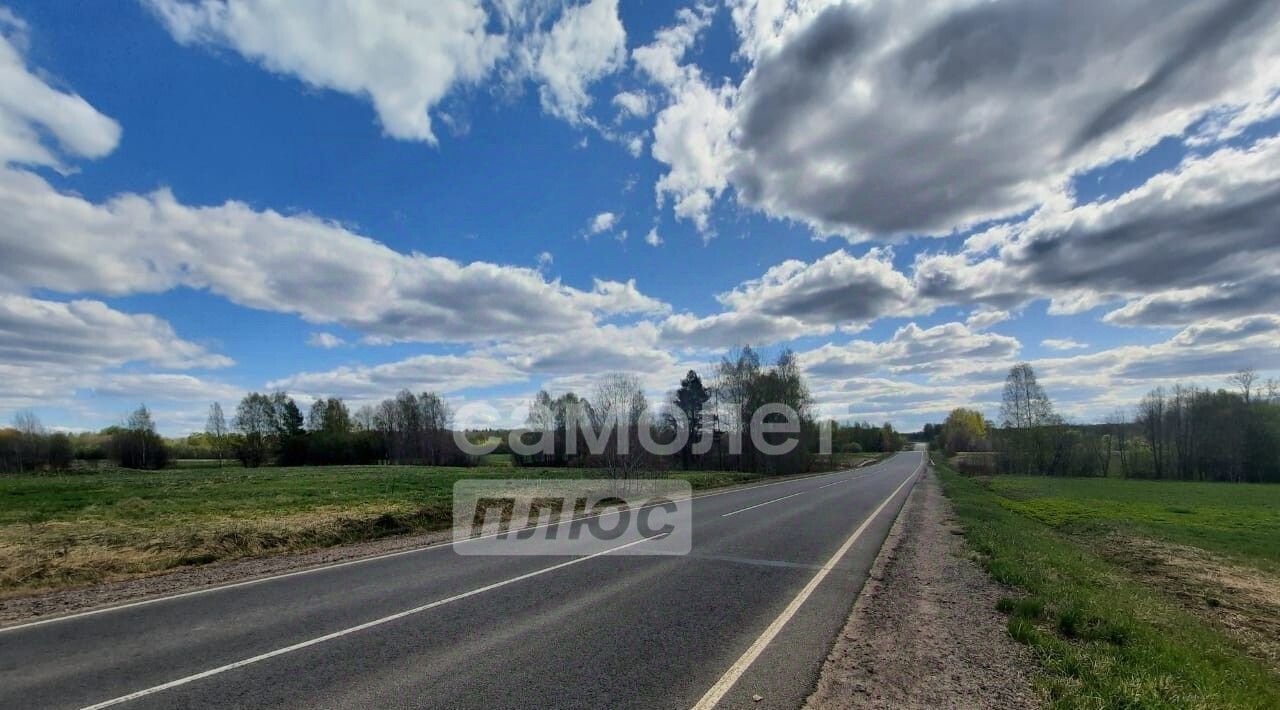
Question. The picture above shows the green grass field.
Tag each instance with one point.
(1241, 521)
(1112, 582)
(60, 530)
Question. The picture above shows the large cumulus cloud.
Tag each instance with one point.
(923, 117)
(1194, 242)
(797, 298)
(297, 264)
(407, 57)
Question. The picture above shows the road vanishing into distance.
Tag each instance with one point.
(751, 611)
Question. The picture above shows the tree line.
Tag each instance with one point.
(266, 428)
(1181, 433)
(865, 437)
(29, 446)
(725, 423)
(1195, 434)
(270, 428)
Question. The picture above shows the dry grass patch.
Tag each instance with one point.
(1243, 601)
(67, 554)
(78, 529)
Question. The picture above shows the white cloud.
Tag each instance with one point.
(734, 328)
(31, 109)
(1194, 242)
(660, 59)
(49, 350)
(923, 117)
(583, 353)
(983, 318)
(620, 297)
(1191, 243)
(796, 298)
(909, 405)
(437, 373)
(635, 104)
(545, 260)
(162, 387)
(297, 264)
(1063, 344)
(603, 222)
(586, 44)
(838, 289)
(906, 117)
(911, 349)
(607, 348)
(1180, 306)
(404, 56)
(91, 334)
(1208, 349)
(325, 340)
(635, 145)
(691, 133)
(652, 238)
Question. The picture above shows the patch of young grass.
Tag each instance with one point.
(1103, 639)
(1239, 520)
(1028, 608)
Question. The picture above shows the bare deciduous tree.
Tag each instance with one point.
(216, 428)
(1032, 440)
(1118, 438)
(1151, 419)
(616, 411)
(1244, 380)
(31, 435)
(1025, 404)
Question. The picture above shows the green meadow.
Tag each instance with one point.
(1134, 594)
(1241, 521)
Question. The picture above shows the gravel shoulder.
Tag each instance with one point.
(925, 632)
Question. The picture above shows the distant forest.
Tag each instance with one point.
(272, 429)
(1183, 433)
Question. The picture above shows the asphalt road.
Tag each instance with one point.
(752, 610)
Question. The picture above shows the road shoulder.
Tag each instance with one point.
(925, 631)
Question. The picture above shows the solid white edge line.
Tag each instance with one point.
(717, 692)
(360, 627)
(362, 560)
(758, 505)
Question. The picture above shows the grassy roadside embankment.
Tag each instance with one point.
(67, 530)
(1108, 633)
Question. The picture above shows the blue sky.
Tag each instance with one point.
(205, 181)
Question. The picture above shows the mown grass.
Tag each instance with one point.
(1240, 521)
(1104, 639)
(65, 530)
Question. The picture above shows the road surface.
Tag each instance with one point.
(751, 611)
